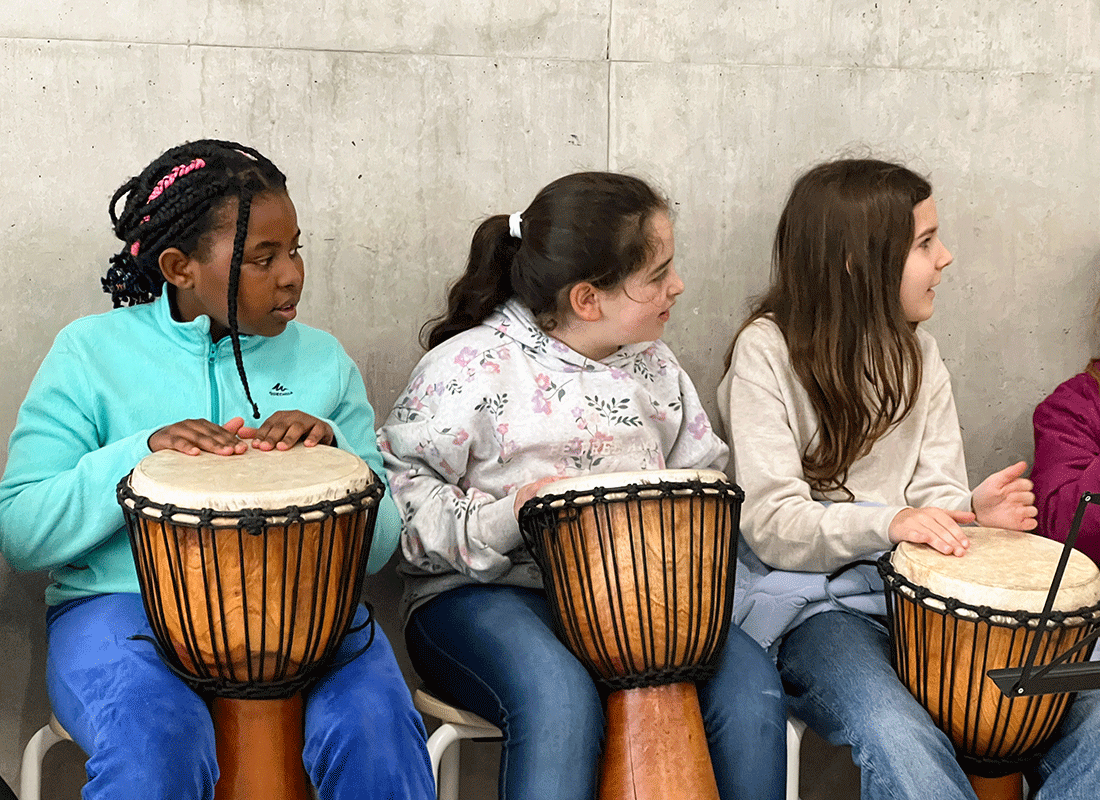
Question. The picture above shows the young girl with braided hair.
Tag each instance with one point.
(548, 364)
(845, 438)
(210, 273)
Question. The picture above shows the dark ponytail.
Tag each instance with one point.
(589, 226)
(486, 283)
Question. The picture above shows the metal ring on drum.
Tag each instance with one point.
(251, 567)
(639, 571)
(952, 619)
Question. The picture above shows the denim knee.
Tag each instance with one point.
(373, 752)
(162, 758)
(564, 700)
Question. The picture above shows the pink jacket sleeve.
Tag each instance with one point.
(1067, 461)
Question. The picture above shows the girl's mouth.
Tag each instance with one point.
(287, 312)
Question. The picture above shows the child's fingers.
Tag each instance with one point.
(291, 436)
(285, 429)
(960, 517)
(1009, 473)
(320, 433)
(234, 425)
(1025, 499)
(192, 436)
(1017, 486)
(932, 526)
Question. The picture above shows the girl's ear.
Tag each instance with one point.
(584, 300)
(176, 268)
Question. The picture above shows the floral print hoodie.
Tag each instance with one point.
(502, 405)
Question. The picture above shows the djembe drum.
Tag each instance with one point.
(639, 570)
(250, 569)
(952, 619)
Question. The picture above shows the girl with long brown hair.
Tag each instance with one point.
(846, 441)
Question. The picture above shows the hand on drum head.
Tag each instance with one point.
(1005, 500)
(526, 492)
(194, 436)
(936, 527)
(284, 429)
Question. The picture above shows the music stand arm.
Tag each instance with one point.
(1025, 683)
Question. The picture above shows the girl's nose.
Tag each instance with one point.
(291, 272)
(675, 286)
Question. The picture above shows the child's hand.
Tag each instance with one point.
(525, 493)
(284, 429)
(936, 527)
(194, 436)
(1005, 500)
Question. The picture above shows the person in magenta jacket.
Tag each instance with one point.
(1067, 459)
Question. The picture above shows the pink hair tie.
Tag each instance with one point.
(134, 249)
(170, 178)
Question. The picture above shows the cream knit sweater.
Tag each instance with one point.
(770, 423)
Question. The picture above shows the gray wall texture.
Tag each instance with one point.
(401, 123)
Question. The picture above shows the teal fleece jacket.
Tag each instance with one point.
(107, 384)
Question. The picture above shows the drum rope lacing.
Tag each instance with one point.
(283, 675)
(955, 701)
(678, 653)
(1002, 617)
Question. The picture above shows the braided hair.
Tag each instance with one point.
(175, 202)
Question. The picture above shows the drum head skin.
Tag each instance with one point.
(268, 479)
(618, 480)
(1006, 570)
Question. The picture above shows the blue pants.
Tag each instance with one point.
(492, 650)
(148, 736)
(837, 671)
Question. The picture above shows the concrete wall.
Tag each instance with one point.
(400, 123)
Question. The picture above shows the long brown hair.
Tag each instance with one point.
(837, 262)
(588, 226)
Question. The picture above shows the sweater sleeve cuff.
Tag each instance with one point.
(497, 527)
(881, 525)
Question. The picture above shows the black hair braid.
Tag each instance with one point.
(149, 227)
(243, 211)
(182, 211)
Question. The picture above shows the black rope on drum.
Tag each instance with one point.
(325, 635)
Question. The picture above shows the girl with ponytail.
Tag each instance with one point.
(548, 364)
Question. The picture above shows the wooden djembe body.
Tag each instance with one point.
(251, 567)
(952, 619)
(639, 569)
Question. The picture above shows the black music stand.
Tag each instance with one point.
(1057, 677)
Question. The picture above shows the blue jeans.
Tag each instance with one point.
(493, 650)
(148, 736)
(837, 672)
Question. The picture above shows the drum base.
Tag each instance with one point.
(260, 749)
(1010, 787)
(656, 748)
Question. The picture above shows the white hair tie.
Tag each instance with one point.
(513, 225)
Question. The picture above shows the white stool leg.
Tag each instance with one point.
(795, 729)
(30, 774)
(438, 744)
(449, 772)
